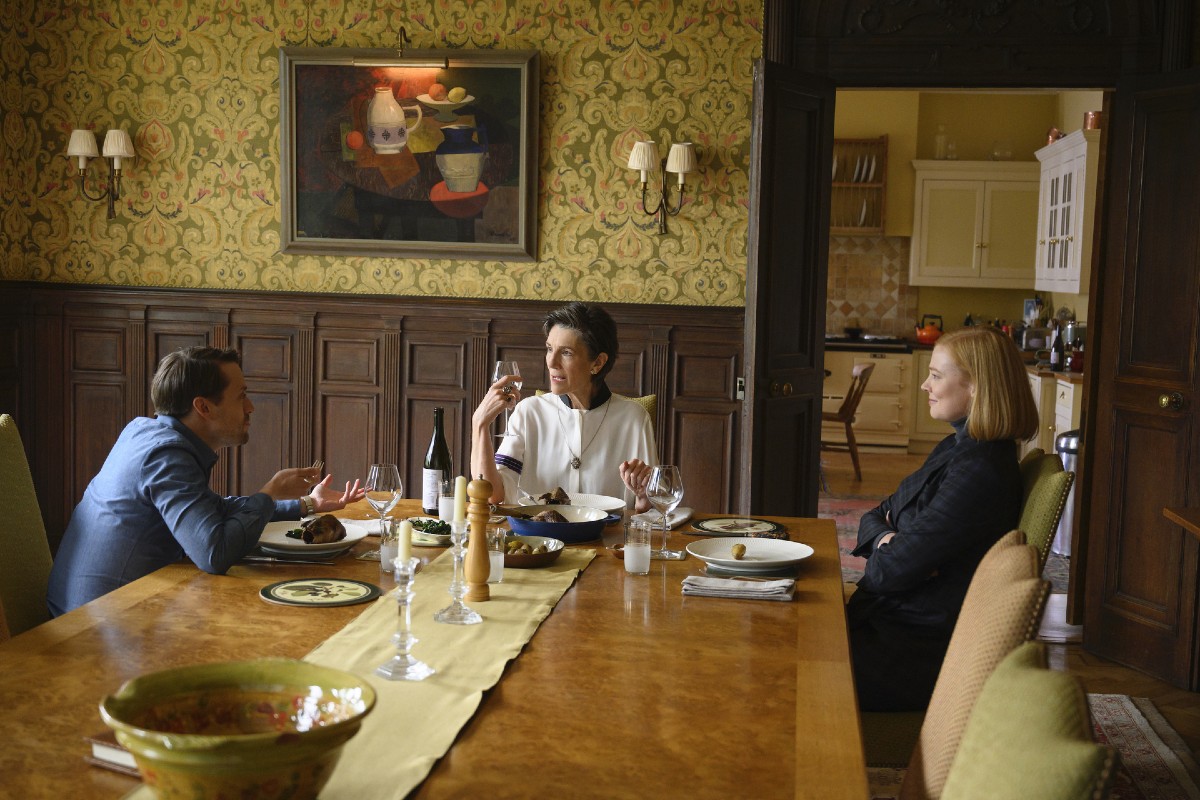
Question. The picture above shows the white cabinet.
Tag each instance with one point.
(885, 411)
(926, 431)
(1066, 211)
(1059, 402)
(1068, 399)
(974, 224)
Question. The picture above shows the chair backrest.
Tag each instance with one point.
(1046, 487)
(858, 385)
(1030, 735)
(25, 567)
(1002, 609)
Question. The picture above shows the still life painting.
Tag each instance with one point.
(429, 155)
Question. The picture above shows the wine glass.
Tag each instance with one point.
(384, 489)
(503, 369)
(664, 490)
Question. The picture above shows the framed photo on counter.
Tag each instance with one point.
(430, 155)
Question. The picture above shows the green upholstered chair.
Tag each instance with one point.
(25, 566)
(1030, 735)
(1045, 490)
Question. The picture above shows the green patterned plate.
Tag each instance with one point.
(320, 592)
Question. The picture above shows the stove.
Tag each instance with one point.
(868, 341)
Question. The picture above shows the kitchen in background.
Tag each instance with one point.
(871, 275)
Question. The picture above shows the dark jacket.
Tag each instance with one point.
(947, 514)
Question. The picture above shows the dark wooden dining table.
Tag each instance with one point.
(628, 688)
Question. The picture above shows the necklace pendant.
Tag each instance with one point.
(575, 462)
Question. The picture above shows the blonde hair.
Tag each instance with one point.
(1002, 405)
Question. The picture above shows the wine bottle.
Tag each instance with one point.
(1057, 354)
(437, 466)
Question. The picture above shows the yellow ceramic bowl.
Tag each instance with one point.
(265, 729)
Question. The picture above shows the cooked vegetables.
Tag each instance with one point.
(434, 527)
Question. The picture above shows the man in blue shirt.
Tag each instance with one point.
(151, 503)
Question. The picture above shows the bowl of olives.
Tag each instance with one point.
(524, 552)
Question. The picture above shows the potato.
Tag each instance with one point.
(456, 94)
(739, 551)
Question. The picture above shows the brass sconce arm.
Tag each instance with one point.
(681, 161)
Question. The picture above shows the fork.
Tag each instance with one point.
(318, 465)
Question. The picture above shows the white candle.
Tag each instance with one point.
(460, 499)
(405, 541)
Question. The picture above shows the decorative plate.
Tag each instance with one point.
(320, 592)
(737, 526)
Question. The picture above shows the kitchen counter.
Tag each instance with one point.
(1074, 378)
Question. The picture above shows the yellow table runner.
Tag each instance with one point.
(415, 723)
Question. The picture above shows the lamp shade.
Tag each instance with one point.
(682, 158)
(83, 143)
(644, 156)
(117, 144)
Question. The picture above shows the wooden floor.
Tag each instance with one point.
(881, 474)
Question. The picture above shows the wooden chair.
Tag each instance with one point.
(845, 415)
(1030, 735)
(25, 567)
(1045, 491)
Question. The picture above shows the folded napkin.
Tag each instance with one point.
(732, 587)
(674, 519)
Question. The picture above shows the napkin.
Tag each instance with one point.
(746, 590)
(674, 519)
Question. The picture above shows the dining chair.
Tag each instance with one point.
(1046, 487)
(1030, 735)
(25, 567)
(1002, 609)
(845, 415)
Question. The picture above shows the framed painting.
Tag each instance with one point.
(433, 155)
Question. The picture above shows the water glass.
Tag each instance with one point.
(446, 500)
(389, 544)
(637, 547)
(496, 537)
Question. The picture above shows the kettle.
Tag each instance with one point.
(927, 331)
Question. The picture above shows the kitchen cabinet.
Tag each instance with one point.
(974, 224)
(1066, 212)
(885, 411)
(859, 189)
(926, 431)
(1059, 401)
(1042, 388)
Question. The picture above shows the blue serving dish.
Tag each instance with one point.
(583, 524)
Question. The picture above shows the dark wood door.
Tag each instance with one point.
(791, 147)
(1141, 587)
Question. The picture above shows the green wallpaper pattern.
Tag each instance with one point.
(196, 84)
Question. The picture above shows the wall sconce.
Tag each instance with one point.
(681, 160)
(117, 145)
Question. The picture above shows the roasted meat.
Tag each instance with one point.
(323, 530)
(549, 515)
(556, 498)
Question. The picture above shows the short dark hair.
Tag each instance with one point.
(189, 373)
(594, 326)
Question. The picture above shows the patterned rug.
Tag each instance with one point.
(1155, 762)
(845, 511)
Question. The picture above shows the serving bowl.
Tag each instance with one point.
(583, 523)
(264, 728)
(554, 549)
(606, 503)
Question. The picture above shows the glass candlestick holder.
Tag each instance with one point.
(457, 613)
(402, 666)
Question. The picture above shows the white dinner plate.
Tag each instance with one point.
(857, 170)
(862, 218)
(275, 537)
(762, 555)
(609, 505)
(871, 171)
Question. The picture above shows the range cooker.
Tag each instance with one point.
(867, 341)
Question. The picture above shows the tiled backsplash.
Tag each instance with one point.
(868, 282)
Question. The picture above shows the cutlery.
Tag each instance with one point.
(273, 560)
(318, 465)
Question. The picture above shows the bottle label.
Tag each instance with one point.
(431, 489)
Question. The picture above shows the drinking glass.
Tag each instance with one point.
(637, 547)
(384, 489)
(503, 369)
(664, 490)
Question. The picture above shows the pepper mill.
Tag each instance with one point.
(477, 565)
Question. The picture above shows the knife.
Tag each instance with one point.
(272, 560)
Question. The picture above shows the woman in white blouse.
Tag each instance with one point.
(579, 435)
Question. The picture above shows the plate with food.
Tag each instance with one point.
(606, 503)
(526, 552)
(750, 555)
(430, 532)
(321, 534)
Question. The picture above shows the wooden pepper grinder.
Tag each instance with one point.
(477, 564)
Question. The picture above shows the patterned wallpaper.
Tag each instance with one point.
(196, 84)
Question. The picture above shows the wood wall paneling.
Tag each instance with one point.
(350, 380)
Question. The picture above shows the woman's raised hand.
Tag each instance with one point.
(502, 395)
(634, 474)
